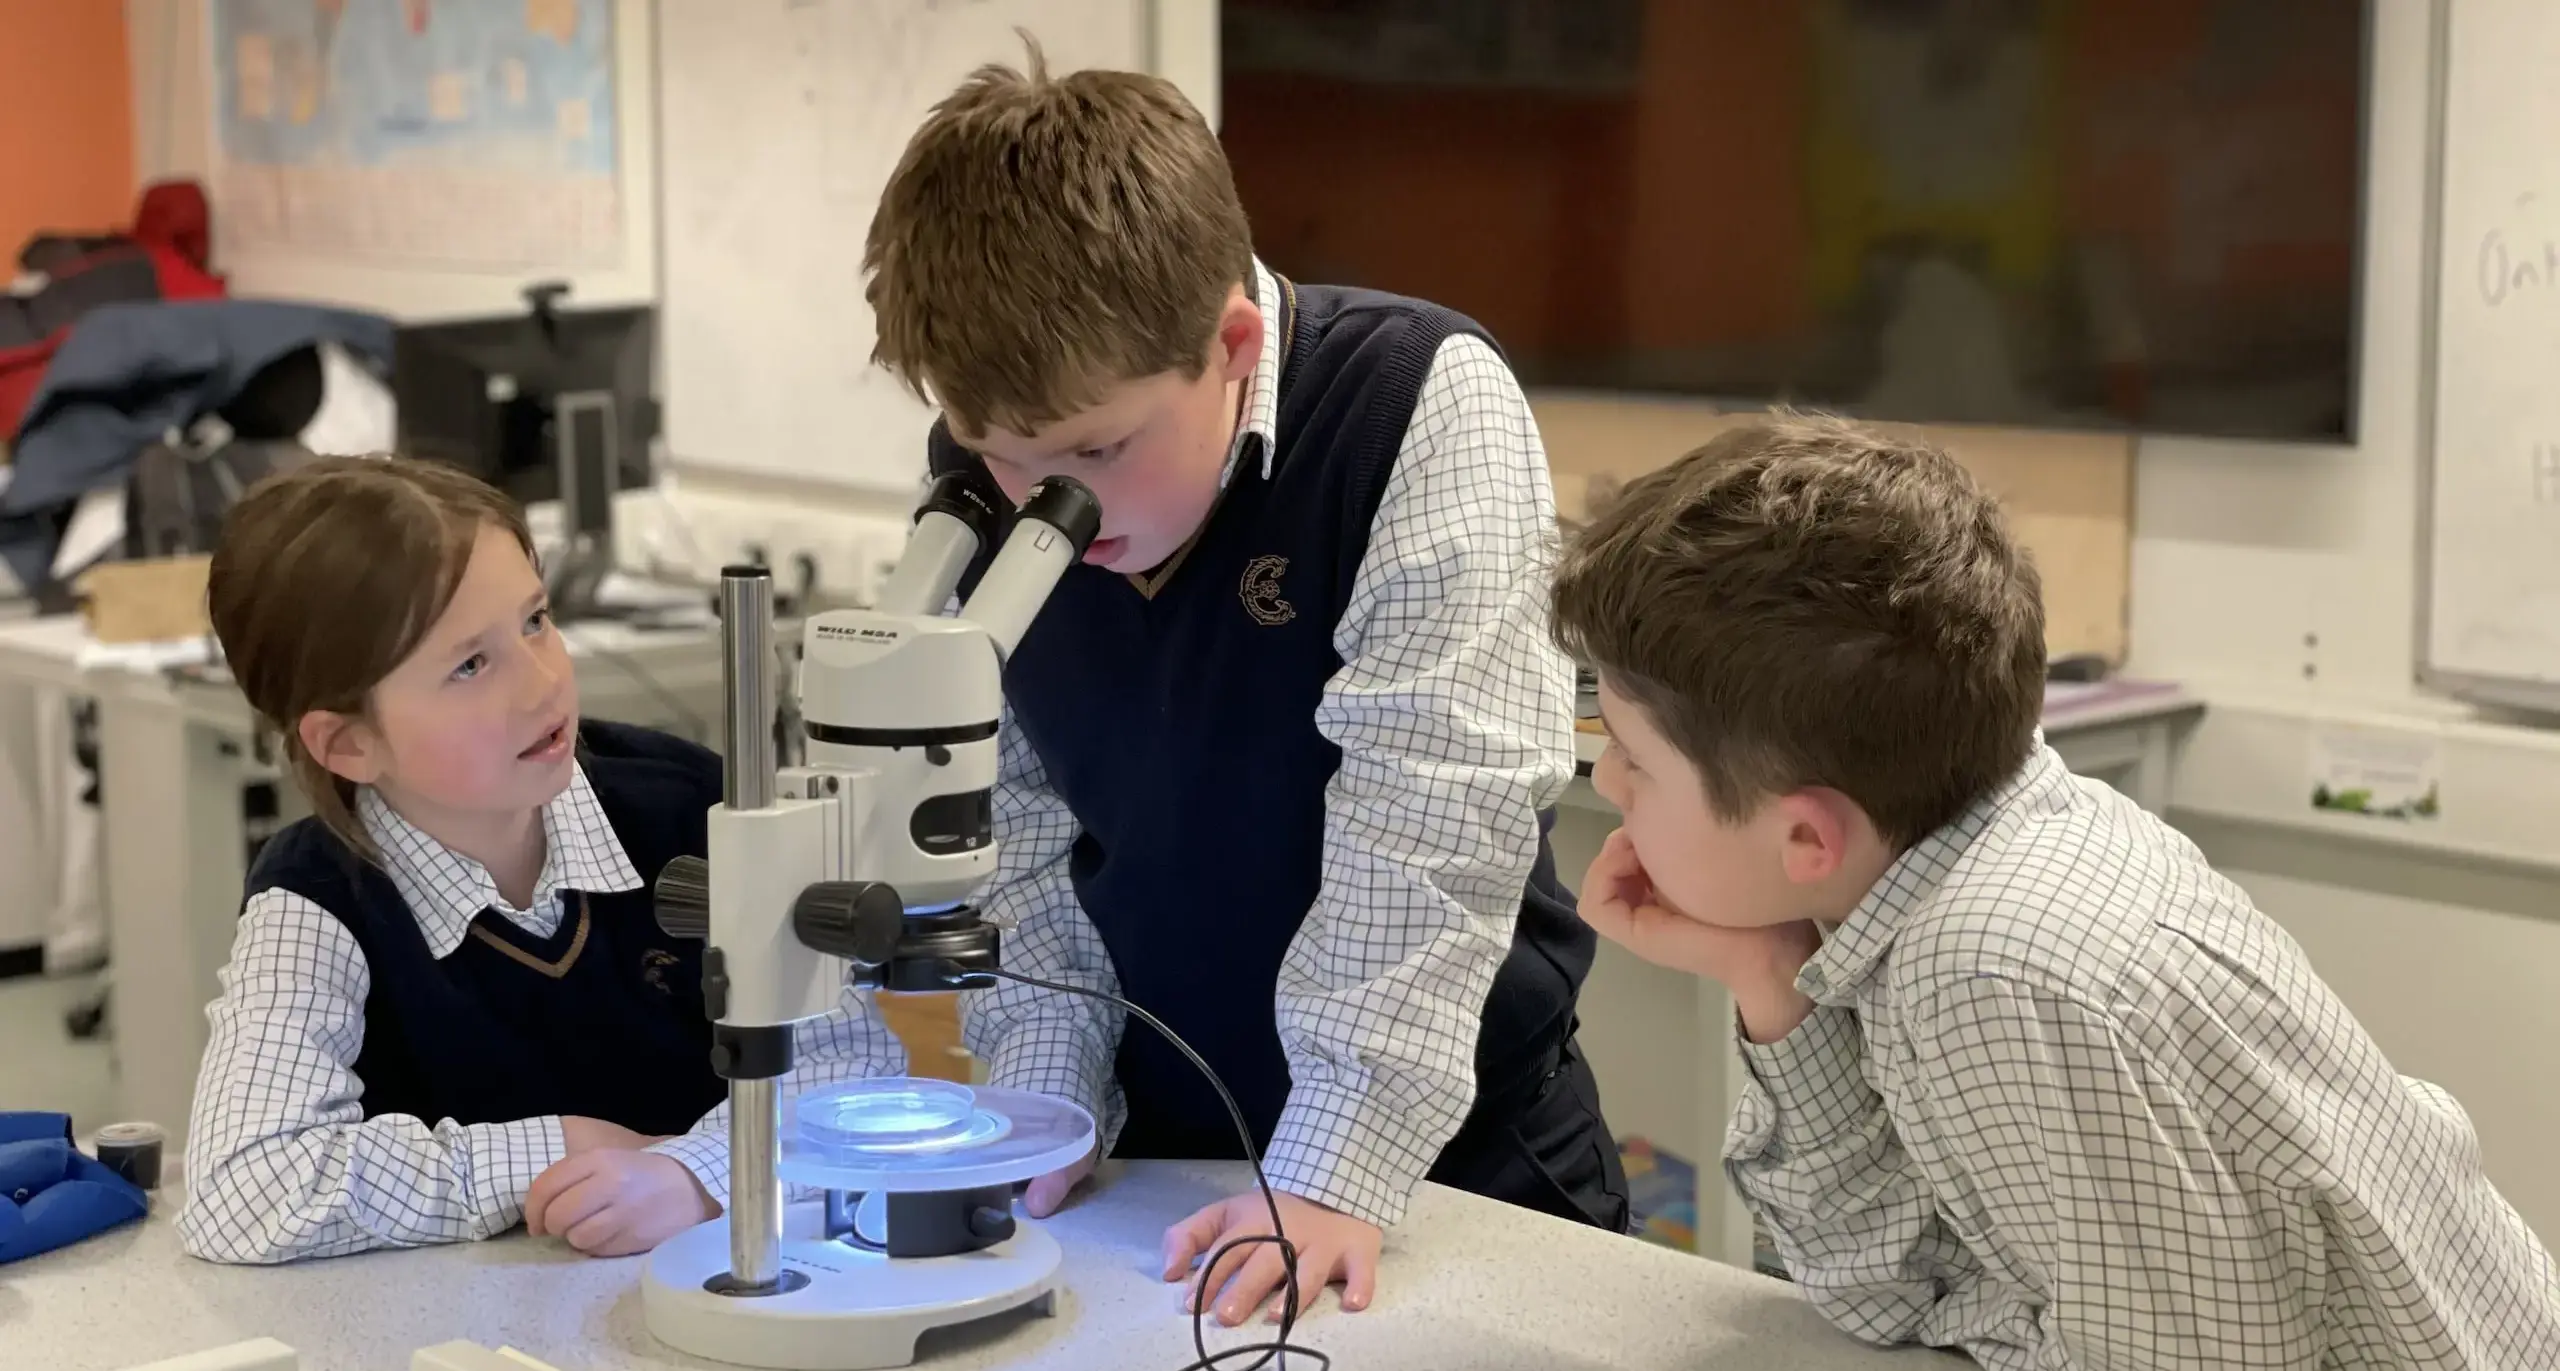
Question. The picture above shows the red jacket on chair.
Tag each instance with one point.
(166, 256)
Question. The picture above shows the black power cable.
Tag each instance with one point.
(1279, 1349)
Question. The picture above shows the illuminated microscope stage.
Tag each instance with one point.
(857, 1303)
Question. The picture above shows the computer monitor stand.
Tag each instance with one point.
(588, 450)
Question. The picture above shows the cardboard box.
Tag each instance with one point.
(156, 600)
(929, 1026)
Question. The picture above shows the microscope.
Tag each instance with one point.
(859, 866)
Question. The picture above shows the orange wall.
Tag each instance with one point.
(66, 120)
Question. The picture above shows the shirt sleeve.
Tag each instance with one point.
(2170, 1197)
(1815, 1156)
(1033, 1039)
(2187, 1200)
(281, 1162)
(1454, 713)
(849, 1042)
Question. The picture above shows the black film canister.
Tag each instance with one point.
(132, 1150)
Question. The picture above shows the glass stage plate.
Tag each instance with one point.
(900, 1134)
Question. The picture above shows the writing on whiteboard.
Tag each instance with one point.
(2507, 272)
(2522, 264)
(2546, 473)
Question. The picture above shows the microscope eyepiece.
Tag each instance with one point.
(971, 496)
(1060, 519)
(1063, 503)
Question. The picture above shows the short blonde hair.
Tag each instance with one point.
(1045, 238)
(1810, 602)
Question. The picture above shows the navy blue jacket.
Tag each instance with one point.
(129, 373)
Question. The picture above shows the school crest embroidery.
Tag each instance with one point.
(1261, 591)
(653, 970)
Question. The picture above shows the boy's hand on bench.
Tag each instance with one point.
(1332, 1246)
(1048, 1194)
(613, 1202)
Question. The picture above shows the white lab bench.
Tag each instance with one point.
(171, 763)
(1659, 1041)
(1467, 1282)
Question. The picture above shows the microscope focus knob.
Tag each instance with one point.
(990, 1224)
(860, 921)
(683, 898)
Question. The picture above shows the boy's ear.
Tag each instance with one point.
(1239, 344)
(1819, 824)
(343, 744)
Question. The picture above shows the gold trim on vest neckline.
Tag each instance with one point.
(554, 970)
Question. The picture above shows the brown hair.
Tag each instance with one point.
(1810, 602)
(1044, 238)
(324, 581)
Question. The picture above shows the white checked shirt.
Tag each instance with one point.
(1454, 713)
(2067, 1100)
(281, 1162)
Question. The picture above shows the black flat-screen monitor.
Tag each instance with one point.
(499, 396)
(2064, 213)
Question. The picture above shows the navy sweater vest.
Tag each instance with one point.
(603, 1019)
(1180, 729)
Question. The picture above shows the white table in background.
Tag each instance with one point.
(2124, 733)
(170, 765)
(1467, 1283)
(35, 745)
(1658, 1040)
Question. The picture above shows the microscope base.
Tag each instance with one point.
(860, 1310)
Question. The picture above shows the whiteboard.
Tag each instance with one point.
(779, 123)
(2491, 625)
